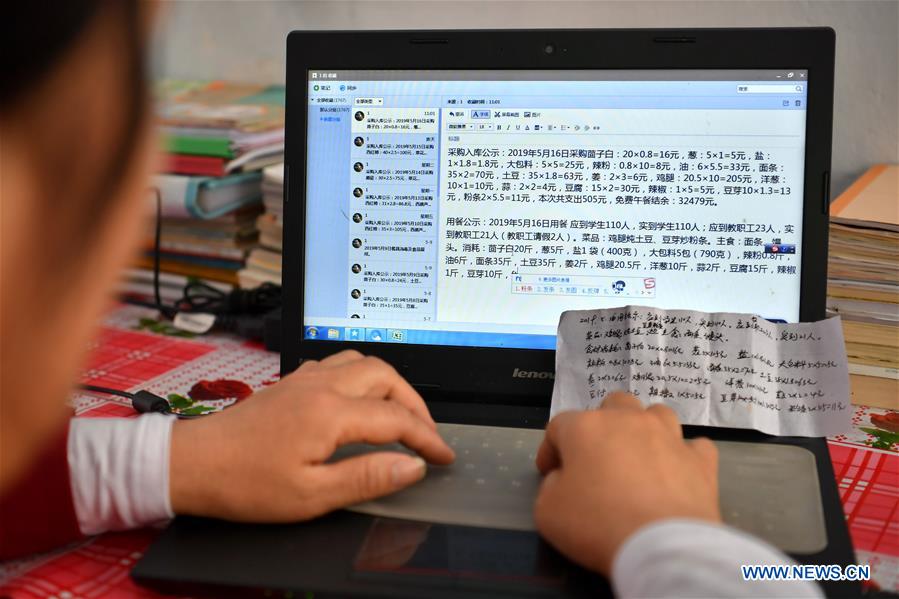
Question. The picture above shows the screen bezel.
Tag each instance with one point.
(485, 374)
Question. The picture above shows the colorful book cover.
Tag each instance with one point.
(219, 147)
(221, 104)
(186, 164)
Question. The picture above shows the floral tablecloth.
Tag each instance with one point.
(134, 351)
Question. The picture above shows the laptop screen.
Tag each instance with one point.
(471, 208)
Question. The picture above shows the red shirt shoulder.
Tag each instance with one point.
(38, 513)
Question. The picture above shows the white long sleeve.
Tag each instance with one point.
(690, 558)
(119, 468)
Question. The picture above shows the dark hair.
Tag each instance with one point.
(36, 36)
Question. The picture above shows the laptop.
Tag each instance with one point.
(449, 193)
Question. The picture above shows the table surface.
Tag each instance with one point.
(132, 352)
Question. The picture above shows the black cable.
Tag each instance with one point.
(98, 389)
(156, 304)
(240, 311)
(143, 401)
(202, 297)
(131, 301)
(157, 247)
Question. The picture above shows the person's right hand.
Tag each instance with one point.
(265, 459)
(614, 470)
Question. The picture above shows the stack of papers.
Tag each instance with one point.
(863, 278)
(264, 262)
(219, 127)
(211, 249)
(218, 136)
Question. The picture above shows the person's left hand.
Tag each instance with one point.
(264, 459)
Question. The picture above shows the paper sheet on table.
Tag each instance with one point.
(719, 369)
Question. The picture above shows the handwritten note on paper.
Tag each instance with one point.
(719, 369)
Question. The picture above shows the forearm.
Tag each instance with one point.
(690, 558)
(199, 454)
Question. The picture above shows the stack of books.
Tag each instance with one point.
(214, 128)
(218, 136)
(264, 262)
(208, 225)
(863, 281)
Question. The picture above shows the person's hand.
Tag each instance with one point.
(264, 459)
(613, 470)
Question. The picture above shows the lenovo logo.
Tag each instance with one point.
(532, 374)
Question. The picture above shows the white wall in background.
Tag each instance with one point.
(244, 40)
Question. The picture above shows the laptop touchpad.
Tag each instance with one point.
(771, 491)
(768, 490)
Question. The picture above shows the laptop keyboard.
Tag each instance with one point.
(768, 490)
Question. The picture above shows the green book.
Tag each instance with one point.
(202, 146)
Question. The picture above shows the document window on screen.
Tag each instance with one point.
(473, 207)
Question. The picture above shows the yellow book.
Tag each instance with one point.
(872, 334)
(871, 355)
(872, 201)
(873, 293)
(874, 391)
